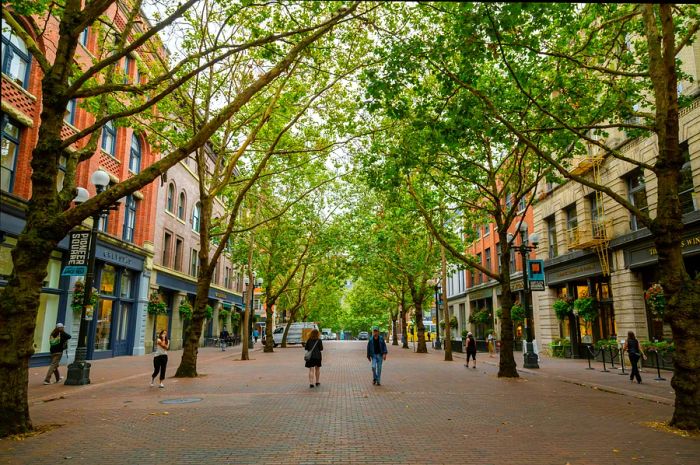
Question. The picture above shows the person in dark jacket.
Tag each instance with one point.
(635, 351)
(471, 349)
(57, 344)
(376, 354)
(223, 339)
(315, 345)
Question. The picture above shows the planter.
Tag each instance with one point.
(457, 345)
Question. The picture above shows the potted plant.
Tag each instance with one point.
(155, 305)
(562, 309)
(79, 295)
(454, 322)
(656, 300)
(209, 312)
(185, 309)
(224, 314)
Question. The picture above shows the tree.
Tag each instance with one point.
(109, 98)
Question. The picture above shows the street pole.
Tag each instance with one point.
(438, 345)
(251, 341)
(79, 370)
(530, 358)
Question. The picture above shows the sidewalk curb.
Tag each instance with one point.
(578, 382)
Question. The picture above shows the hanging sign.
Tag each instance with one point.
(78, 254)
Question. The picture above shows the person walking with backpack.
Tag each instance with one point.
(471, 349)
(57, 344)
(313, 357)
(376, 353)
(635, 351)
(223, 339)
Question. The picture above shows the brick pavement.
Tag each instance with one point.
(262, 411)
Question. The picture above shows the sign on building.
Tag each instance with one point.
(78, 254)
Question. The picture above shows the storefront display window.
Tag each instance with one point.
(107, 280)
(104, 325)
(45, 320)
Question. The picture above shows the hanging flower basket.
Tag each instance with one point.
(156, 306)
(562, 309)
(79, 294)
(224, 314)
(480, 318)
(209, 312)
(517, 313)
(656, 300)
(185, 309)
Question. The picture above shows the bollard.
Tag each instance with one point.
(622, 360)
(612, 359)
(658, 368)
(588, 356)
(604, 370)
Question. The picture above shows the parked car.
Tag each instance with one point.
(295, 335)
(363, 336)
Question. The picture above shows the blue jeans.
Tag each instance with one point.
(377, 360)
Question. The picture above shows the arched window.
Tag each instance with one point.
(181, 206)
(170, 198)
(15, 56)
(109, 137)
(196, 211)
(135, 155)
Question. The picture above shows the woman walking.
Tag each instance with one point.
(160, 361)
(57, 344)
(635, 351)
(471, 349)
(313, 357)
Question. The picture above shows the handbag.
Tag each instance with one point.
(307, 355)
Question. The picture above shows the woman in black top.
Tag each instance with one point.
(315, 345)
(635, 351)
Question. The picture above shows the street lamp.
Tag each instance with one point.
(437, 315)
(256, 282)
(530, 358)
(79, 370)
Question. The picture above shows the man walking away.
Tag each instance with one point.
(223, 339)
(376, 353)
(57, 344)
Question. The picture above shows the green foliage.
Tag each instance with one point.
(480, 318)
(79, 296)
(464, 333)
(586, 309)
(155, 305)
(224, 314)
(208, 312)
(185, 309)
(517, 313)
(662, 347)
(558, 347)
(606, 343)
(562, 309)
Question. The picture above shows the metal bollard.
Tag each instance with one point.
(612, 358)
(604, 370)
(658, 368)
(622, 360)
(588, 356)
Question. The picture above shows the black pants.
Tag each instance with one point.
(159, 364)
(471, 354)
(634, 359)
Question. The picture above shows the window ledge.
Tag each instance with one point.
(14, 83)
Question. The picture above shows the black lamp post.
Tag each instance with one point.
(530, 357)
(251, 314)
(438, 345)
(79, 370)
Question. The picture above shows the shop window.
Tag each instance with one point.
(170, 198)
(125, 311)
(552, 236)
(181, 206)
(15, 56)
(685, 188)
(637, 196)
(126, 285)
(46, 319)
(135, 155)
(8, 157)
(107, 280)
(109, 137)
(103, 326)
(129, 219)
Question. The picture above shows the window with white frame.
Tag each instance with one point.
(637, 195)
(170, 198)
(181, 206)
(196, 212)
(16, 59)
(129, 219)
(135, 155)
(109, 137)
(8, 157)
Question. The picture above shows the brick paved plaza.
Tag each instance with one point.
(426, 412)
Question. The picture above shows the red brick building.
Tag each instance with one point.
(125, 244)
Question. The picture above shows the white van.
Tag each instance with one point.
(294, 335)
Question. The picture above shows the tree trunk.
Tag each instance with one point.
(269, 342)
(394, 329)
(188, 363)
(420, 328)
(404, 334)
(286, 331)
(506, 363)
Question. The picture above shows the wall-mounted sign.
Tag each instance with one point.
(78, 254)
(535, 270)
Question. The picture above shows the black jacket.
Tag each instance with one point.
(316, 354)
(60, 347)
